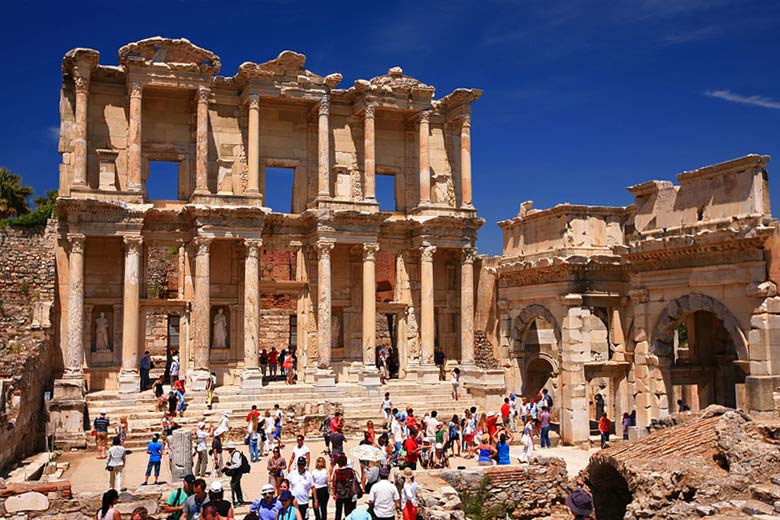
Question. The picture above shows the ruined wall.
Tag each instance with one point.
(27, 282)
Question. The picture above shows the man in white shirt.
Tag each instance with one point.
(201, 436)
(300, 450)
(397, 430)
(384, 497)
(431, 423)
(301, 486)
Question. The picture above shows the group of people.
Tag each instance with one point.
(275, 364)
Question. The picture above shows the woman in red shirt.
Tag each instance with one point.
(605, 425)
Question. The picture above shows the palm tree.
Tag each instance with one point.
(48, 200)
(13, 196)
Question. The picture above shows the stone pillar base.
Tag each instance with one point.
(129, 382)
(760, 391)
(251, 381)
(369, 378)
(198, 379)
(67, 413)
(428, 374)
(324, 378)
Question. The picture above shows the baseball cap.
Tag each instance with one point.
(285, 495)
(103, 411)
(301, 461)
(267, 488)
(201, 425)
(226, 413)
(439, 446)
(231, 445)
(216, 486)
(189, 479)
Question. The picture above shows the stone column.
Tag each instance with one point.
(370, 375)
(253, 155)
(129, 375)
(575, 426)
(428, 372)
(467, 306)
(201, 315)
(74, 358)
(323, 179)
(324, 375)
(425, 159)
(202, 142)
(81, 84)
(251, 377)
(134, 138)
(369, 154)
(465, 161)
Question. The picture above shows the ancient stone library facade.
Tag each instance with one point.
(671, 297)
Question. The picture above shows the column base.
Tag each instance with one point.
(251, 380)
(324, 378)
(369, 378)
(129, 382)
(199, 378)
(428, 375)
(67, 413)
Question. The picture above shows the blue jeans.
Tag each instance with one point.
(604, 439)
(395, 453)
(545, 442)
(254, 452)
(156, 466)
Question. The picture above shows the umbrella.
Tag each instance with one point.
(366, 452)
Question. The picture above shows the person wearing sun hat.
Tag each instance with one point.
(288, 511)
(216, 497)
(233, 468)
(267, 507)
(409, 495)
(580, 503)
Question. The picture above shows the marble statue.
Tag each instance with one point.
(102, 333)
(220, 329)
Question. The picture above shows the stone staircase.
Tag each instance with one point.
(304, 407)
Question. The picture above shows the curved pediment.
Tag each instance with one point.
(394, 81)
(176, 54)
(288, 66)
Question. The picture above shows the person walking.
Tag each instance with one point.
(211, 385)
(107, 510)
(386, 407)
(216, 498)
(276, 466)
(547, 400)
(626, 424)
(320, 476)
(175, 503)
(302, 486)
(264, 363)
(288, 511)
(544, 422)
(527, 440)
(146, 366)
(605, 425)
(173, 371)
(455, 382)
(384, 497)
(216, 452)
(397, 430)
(278, 423)
(155, 451)
(100, 425)
(269, 428)
(298, 451)
(159, 392)
(116, 464)
(345, 485)
(409, 502)
(506, 411)
(440, 360)
(235, 469)
(201, 450)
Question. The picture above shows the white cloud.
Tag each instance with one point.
(759, 101)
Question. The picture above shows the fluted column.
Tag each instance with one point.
(134, 138)
(253, 156)
(425, 158)
(251, 378)
(467, 306)
(323, 179)
(129, 376)
(427, 331)
(369, 303)
(465, 161)
(81, 84)
(369, 154)
(74, 354)
(324, 310)
(201, 305)
(202, 142)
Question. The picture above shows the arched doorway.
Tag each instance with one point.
(539, 374)
(697, 341)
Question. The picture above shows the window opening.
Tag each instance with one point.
(163, 180)
(279, 184)
(385, 192)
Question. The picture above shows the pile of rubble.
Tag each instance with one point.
(719, 463)
(484, 357)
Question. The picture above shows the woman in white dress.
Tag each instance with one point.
(527, 440)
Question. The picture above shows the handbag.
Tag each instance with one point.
(356, 489)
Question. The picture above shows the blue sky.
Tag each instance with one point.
(582, 98)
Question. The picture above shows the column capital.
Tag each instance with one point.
(253, 100)
(203, 94)
(132, 244)
(81, 84)
(468, 254)
(465, 122)
(324, 109)
(369, 251)
(324, 247)
(370, 112)
(202, 245)
(76, 242)
(424, 116)
(253, 246)
(135, 88)
(426, 253)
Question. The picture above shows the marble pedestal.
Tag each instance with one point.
(67, 413)
(428, 374)
(129, 382)
(251, 381)
(198, 379)
(324, 378)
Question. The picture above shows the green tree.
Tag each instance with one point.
(48, 200)
(13, 196)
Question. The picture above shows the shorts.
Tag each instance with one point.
(156, 466)
(101, 439)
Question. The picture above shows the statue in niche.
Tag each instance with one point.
(443, 193)
(220, 329)
(335, 331)
(102, 333)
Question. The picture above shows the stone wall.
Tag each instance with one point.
(529, 491)
(27, 280)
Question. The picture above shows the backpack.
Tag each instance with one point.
(549, 400)
(343, 483)
(245, 467)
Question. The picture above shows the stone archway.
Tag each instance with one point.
(666, 368)
(526, 318)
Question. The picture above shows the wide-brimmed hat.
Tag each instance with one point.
(267, 488)
(580, 502)
(408, 472)
(226, 413)
(219, 431)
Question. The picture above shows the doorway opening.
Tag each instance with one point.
(162, 183)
